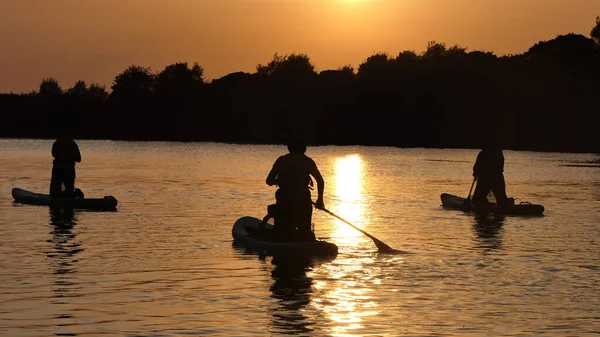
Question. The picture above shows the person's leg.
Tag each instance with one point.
(69, 181)
(481, 191)
(305, 222)
(56, 182)
(499, 190)
(283, 230)
(271, 213)
(284, 218)
(78, 193)
(264, 221)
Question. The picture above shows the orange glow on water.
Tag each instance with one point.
(348, 191)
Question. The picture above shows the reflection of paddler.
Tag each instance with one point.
(488, 230)
(293, 209)
(292, 287)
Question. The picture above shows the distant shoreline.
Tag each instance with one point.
(311, 145)
(543, 100)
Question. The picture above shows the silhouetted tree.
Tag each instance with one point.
(294, 66)
(288, 99)
(49, 88)
(334, 79)
(456, 51)
(132, 104)
(348, 69)
(198, 73)
(405, 63)
(435, 50)
(135, 81)
(79, 89)
(178, 90)
(407, 56)
(375, 67)
(97, 92)
(543, 99)
(230, 80)
(268, 69)
(595, 33)
(179, 80)
(573, 49)
(479, 56)
(341, 76)
(234, 98)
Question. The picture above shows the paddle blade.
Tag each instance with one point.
(382, 247)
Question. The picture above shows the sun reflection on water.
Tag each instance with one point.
(349, 300)
(349, 197)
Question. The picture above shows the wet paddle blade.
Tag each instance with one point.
(382, 247)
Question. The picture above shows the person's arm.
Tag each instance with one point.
(272, 177)
(77, 154)
(320, 186)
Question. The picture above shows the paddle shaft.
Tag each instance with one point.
(348, 223)
(471, 190)
(467, 202)
(381, 246)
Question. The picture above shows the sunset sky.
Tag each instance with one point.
(94, 40)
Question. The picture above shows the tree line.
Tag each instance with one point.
(447, 97)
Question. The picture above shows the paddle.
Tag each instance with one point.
(381, 246)
(467, 202)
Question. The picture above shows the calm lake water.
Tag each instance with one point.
(164, 264)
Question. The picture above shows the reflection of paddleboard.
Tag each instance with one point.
(246, 233)
(524, 208)
(108, 203)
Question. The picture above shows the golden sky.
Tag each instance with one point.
(94, 40)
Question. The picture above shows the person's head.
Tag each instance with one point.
(490, 134)
(296, 146)
(64, 135)
(64, 129)
(491, 143)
